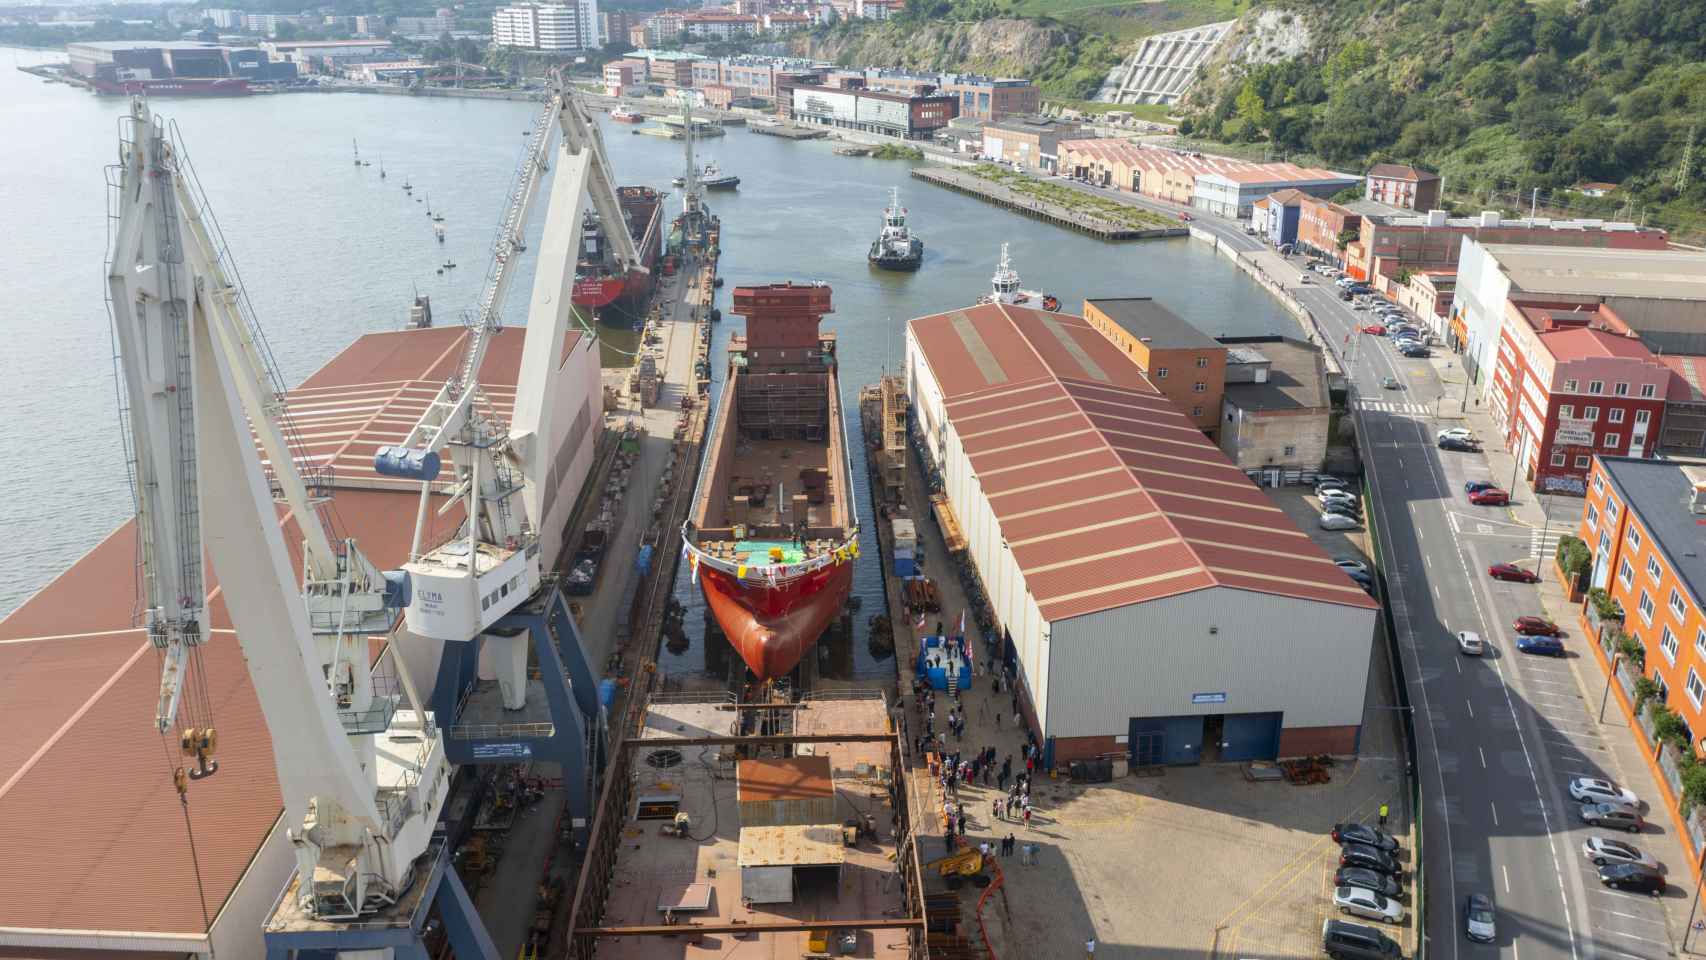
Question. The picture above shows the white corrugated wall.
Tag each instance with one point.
(1305, 658)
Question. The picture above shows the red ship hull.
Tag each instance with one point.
(772, 628)
(599, 291)
(175, 87)
(598, 286)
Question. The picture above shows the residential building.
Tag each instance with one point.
(718, 26)
(562, 27)
(618, 25)
(435, 26)
(1642, 520)
(637, 37)
(1402, 186)
(670, 69)
(992, 99)
(1392, 242)
(717, 96)
(1567, 385)
(1325, 227)
(877, 9)
(225, 19)
(1231, 192)
(663, 29)
(1150, 599)
(752, 75)
(786, 22)
(1428, 295)
(1275, 217)
(1030, 142)
(1276, 408)
(872, 111)
(621, 76)
(1185, 365)
(1658, 294)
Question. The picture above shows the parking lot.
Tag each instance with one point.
(1200, 861)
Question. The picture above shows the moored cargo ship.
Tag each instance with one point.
(598, 282)
(774, 530)
(174, 87)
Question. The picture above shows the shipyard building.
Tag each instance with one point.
(1152, 600)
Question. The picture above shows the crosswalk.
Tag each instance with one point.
(1545, 542)
(1393, 406)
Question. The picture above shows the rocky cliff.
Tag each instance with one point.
(1007, 47)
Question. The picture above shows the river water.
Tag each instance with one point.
(329, 251)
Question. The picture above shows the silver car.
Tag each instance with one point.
(1338, 521)
(1478, 922)
(1594, 790)
(1366, 903)
(1604, 850)
(1469, 643)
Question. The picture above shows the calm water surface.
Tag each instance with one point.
(330, 251)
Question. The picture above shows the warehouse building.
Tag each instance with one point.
(1153, 601)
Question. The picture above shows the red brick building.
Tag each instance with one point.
(1402, 186)
(1319, 224)
(1570, 383)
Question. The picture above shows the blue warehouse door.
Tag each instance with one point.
(1165, 741)
(1251, 736)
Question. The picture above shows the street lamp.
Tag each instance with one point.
(1689, 930)
(1615, 658)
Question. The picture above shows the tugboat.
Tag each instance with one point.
(896, 248)
(1004, 287)
(711, 178)
(621, 115)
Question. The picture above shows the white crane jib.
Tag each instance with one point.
(492, 563)
(362, 779)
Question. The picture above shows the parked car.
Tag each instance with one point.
(1363, 833)
(1478, 920)
(1512, 572)
(1331, 481)
(1469, 642)
(1604, 850)
(1338, 521)
(1417, 352)
(1535, 626)
(1491, 497)
(1362, 577)
(1342, 508)
(1184, 218)
(1338, 494)
(1391, 383)
(1366, 903)
(1343, 940)
(1540, 646)
(1595, 790)
(1471, 486)
(1374, 328)
(1633, 876)
(1461, 433)
(1461, 446)
(1618, 816)
(1350, 563)
(1368, 858)
(1368, 880)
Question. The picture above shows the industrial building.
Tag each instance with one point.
(1220, 185)
(1153, 602)
(1276, 408)
(915, 117)
(1232, 192)
(1186, 365)
(79, 679)
(1029, 142)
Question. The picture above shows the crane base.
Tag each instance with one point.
(290, 935)
(561, 722)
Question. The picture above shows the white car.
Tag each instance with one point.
(1456, 433)
(1604, 850)
(1469, 642)
(1366, 903)
(1344, 496)
(1338, 521)
(1591, 790)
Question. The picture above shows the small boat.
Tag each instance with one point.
(449, 265)
(1004, 287)
(896, 248)
(428, 204)
(357, 148)
(622, 115)
(381, 169)
(407, 186)
(711, 178)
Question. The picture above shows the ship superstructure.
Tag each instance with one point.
(896, 248)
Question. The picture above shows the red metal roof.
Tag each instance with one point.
(1584, 342)
(86, 795)
(1105, 492)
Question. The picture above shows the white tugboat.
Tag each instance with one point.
(1004, 287)
(896, 248)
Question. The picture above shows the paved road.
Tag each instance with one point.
(1501, 736)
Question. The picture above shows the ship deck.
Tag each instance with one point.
(653, 871)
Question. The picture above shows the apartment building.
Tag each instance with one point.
(1402, 186)
(565, 27)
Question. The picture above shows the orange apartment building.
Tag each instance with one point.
(1185, 364)
(1642, 520)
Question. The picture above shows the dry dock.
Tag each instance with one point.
(1055, 213)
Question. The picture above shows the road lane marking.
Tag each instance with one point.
(1506, 871)
(1495, 808)
(1471, 707)
(1631, 936)
(1628, 916)
(1483, 754)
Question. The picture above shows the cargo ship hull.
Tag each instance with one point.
(174, 87)
(598, 285)
(774, 532)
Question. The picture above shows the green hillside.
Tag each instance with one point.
(1500, 96)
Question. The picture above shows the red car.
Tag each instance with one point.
(1490, 497)
(1536, 627)
(1375, 329)
(1510, 571)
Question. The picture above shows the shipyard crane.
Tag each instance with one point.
(491, 562)
(363, 775)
